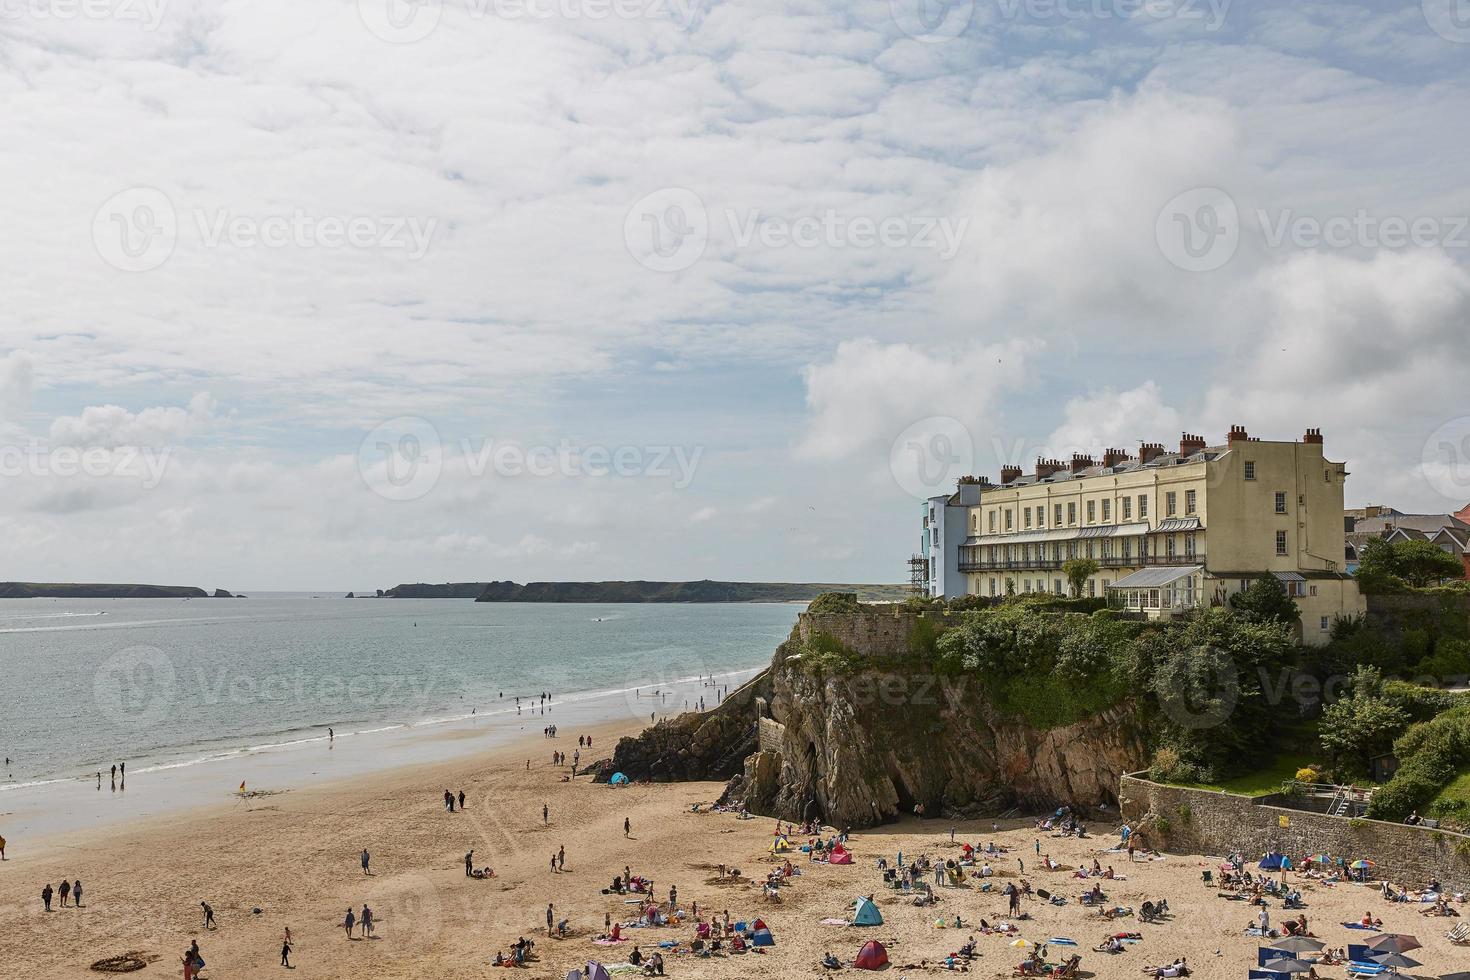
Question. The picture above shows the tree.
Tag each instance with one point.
(1265, 601)
(1422, 563)
(1362, 725)
(1078, 571)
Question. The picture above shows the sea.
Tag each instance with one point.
(173, 684)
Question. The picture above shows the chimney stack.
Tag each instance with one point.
(1313, 436)
(1081, 462)
(1113, 457)
(1237, 432)
(1046, 467)
(1149, 451)
(1009, 475)
(1191, 444)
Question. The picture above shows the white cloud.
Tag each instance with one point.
(109, 426)
(1112, 419)
(17, 375)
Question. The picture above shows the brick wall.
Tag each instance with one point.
(1217, 823)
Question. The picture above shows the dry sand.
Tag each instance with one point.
(295, 856)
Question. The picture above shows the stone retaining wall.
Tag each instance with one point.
(1204, 822)
(882, 631)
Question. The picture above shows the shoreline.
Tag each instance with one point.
(40, 809)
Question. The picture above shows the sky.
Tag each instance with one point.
(314, 294)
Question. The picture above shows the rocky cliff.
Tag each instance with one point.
(851, 725)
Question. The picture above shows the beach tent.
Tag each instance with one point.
(596, 971)
(1271, 862)
(780, 845)
(618, 779)
(840, 855)
(762, 937)
(574, 975)
(872, 956)
(866, 913)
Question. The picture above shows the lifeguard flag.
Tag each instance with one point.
(242, 786)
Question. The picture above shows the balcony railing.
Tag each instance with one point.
(1055, 564)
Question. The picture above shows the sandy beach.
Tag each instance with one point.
(295, 856)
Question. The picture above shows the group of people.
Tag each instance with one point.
(68, 892)
(451, 799)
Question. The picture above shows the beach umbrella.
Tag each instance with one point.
(1320, 859)
(1287, 965)
(1363, 864)
(1393, 942)
(1023, 944)
(1298, 944)
(1455, 976)
(1394, 961)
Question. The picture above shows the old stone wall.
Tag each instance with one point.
(1199, 821)
(877, 631)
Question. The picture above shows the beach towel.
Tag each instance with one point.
(1061, 941)
(834, 922)
(1359, 925)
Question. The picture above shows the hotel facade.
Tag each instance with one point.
(1171, 531)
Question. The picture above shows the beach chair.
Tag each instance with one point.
(1268, 975)
(1357, 968)
(1266, 954)
(1460, 934)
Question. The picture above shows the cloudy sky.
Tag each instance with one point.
(336, 294)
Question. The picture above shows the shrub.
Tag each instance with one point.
(1309, 774)
(835, 602)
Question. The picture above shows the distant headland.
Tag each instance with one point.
(704, 590)
(99, 590)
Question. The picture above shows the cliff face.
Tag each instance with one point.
(695, 745)
(860, 745)
(96, 590)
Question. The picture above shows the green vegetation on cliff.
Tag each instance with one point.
(96, 590)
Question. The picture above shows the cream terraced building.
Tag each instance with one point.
(1172, 531)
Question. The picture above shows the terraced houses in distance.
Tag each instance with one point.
(1169, 530)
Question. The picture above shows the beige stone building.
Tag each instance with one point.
(1172, 531)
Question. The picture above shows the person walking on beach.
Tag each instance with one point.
(461, 799)
(114, 772)
(545, 815)
(627, 827)
(366, 857)
(469, 864)
(561, 858)
(550, 918)
(76, 893)
(286, 952)
(2, 848)
(349, 922)
(65, 890)
(208, 915)
(46, 896)
(367, 921)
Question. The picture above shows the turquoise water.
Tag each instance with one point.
(164, 683)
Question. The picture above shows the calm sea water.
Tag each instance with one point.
(164, 682)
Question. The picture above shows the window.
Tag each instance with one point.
(1280, 502)
(1127, 548)
(1010, 518)
(1107, 511)
(1089, 550)
(1092, 512)
(1026, 517)
(992, 522)
(1281, 542)
(1142, 506)
(992, 586)
(1056, 586)
(1189, 501)
(1091, 587)
(1057, 521)
(1026, 585)
(1127, 508)
(1325, 626)
(1171, 504)
(1169, 545)
(1071, 513)
(1313, 591)
(1189, 545)
(1250, 470)
(1041, 516)
(975, 523)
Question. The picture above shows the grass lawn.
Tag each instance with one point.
(1452, 805)
(1263, 781)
